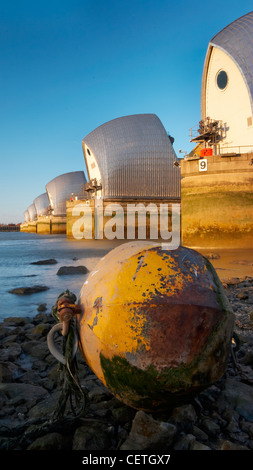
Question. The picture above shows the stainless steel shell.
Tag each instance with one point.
(32, 212)
(134, 158)
(26, 216)
(41, 204)
(62, 188)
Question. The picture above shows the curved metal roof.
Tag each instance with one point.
(41, 204)
(60, 189)
(32, 212)
(236, 40)
(135, 158)
(26, 216)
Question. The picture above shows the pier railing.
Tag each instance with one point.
(237, 149)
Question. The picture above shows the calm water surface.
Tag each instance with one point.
(18, 250)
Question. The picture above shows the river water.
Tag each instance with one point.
(18, 250)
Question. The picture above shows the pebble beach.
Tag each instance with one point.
(219, 418)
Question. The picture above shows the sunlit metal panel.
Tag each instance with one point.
(134, 158)
(41, 204)
(32, 212)
(62, 188)
(26, 216)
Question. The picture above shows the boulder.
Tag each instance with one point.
(31, 393)
(65, 270)
(51, 441)
(184, 413)
(35, 348)
(93, 436)
(45, 261)
(42, 308)
(149, 434)
(8, 371)
(28, 290)
(239, 396)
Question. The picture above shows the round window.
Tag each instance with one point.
(222, 79)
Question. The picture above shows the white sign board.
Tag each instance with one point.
(203, 164)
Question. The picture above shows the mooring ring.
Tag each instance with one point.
(52, 347)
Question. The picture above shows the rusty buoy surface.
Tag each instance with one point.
(156, 326)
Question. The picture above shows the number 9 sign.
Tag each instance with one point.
(203, 164)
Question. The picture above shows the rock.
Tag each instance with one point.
(123, 414)
(210, 427)
(184, 442)
(45, 261)
(93, 436)
(12, 352)
(97, 392)
(184, 413)
(8, 372)
(149, 434)
(195, 445)
(43, 318)
(30, 393)
(51, 441)
(35, 348)
(17, 321)
(212, 256)
(247, 427)
(239, 396)
(3, 331)
(247, 358)
(41, 329)
(65, 270)
(28, 290)
(227, 445)
(46, 407)
(42, 308)
(199, 433)
(242, 295)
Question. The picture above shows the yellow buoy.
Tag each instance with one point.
(156, 326)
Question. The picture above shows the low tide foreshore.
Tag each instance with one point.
(219, 418)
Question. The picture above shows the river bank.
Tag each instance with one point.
(219, 418)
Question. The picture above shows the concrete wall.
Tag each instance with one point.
(217, 204)
(58, 225)
(24, 227)
(32, 227)
(44, 225)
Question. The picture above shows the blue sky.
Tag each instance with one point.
(68, 66)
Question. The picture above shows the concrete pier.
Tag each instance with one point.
(58, 224)
(32, 227)
(24, 227)
(44, 225)
(217, 201)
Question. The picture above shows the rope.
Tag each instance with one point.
(71, 389)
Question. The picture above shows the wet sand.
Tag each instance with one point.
(231, 262)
